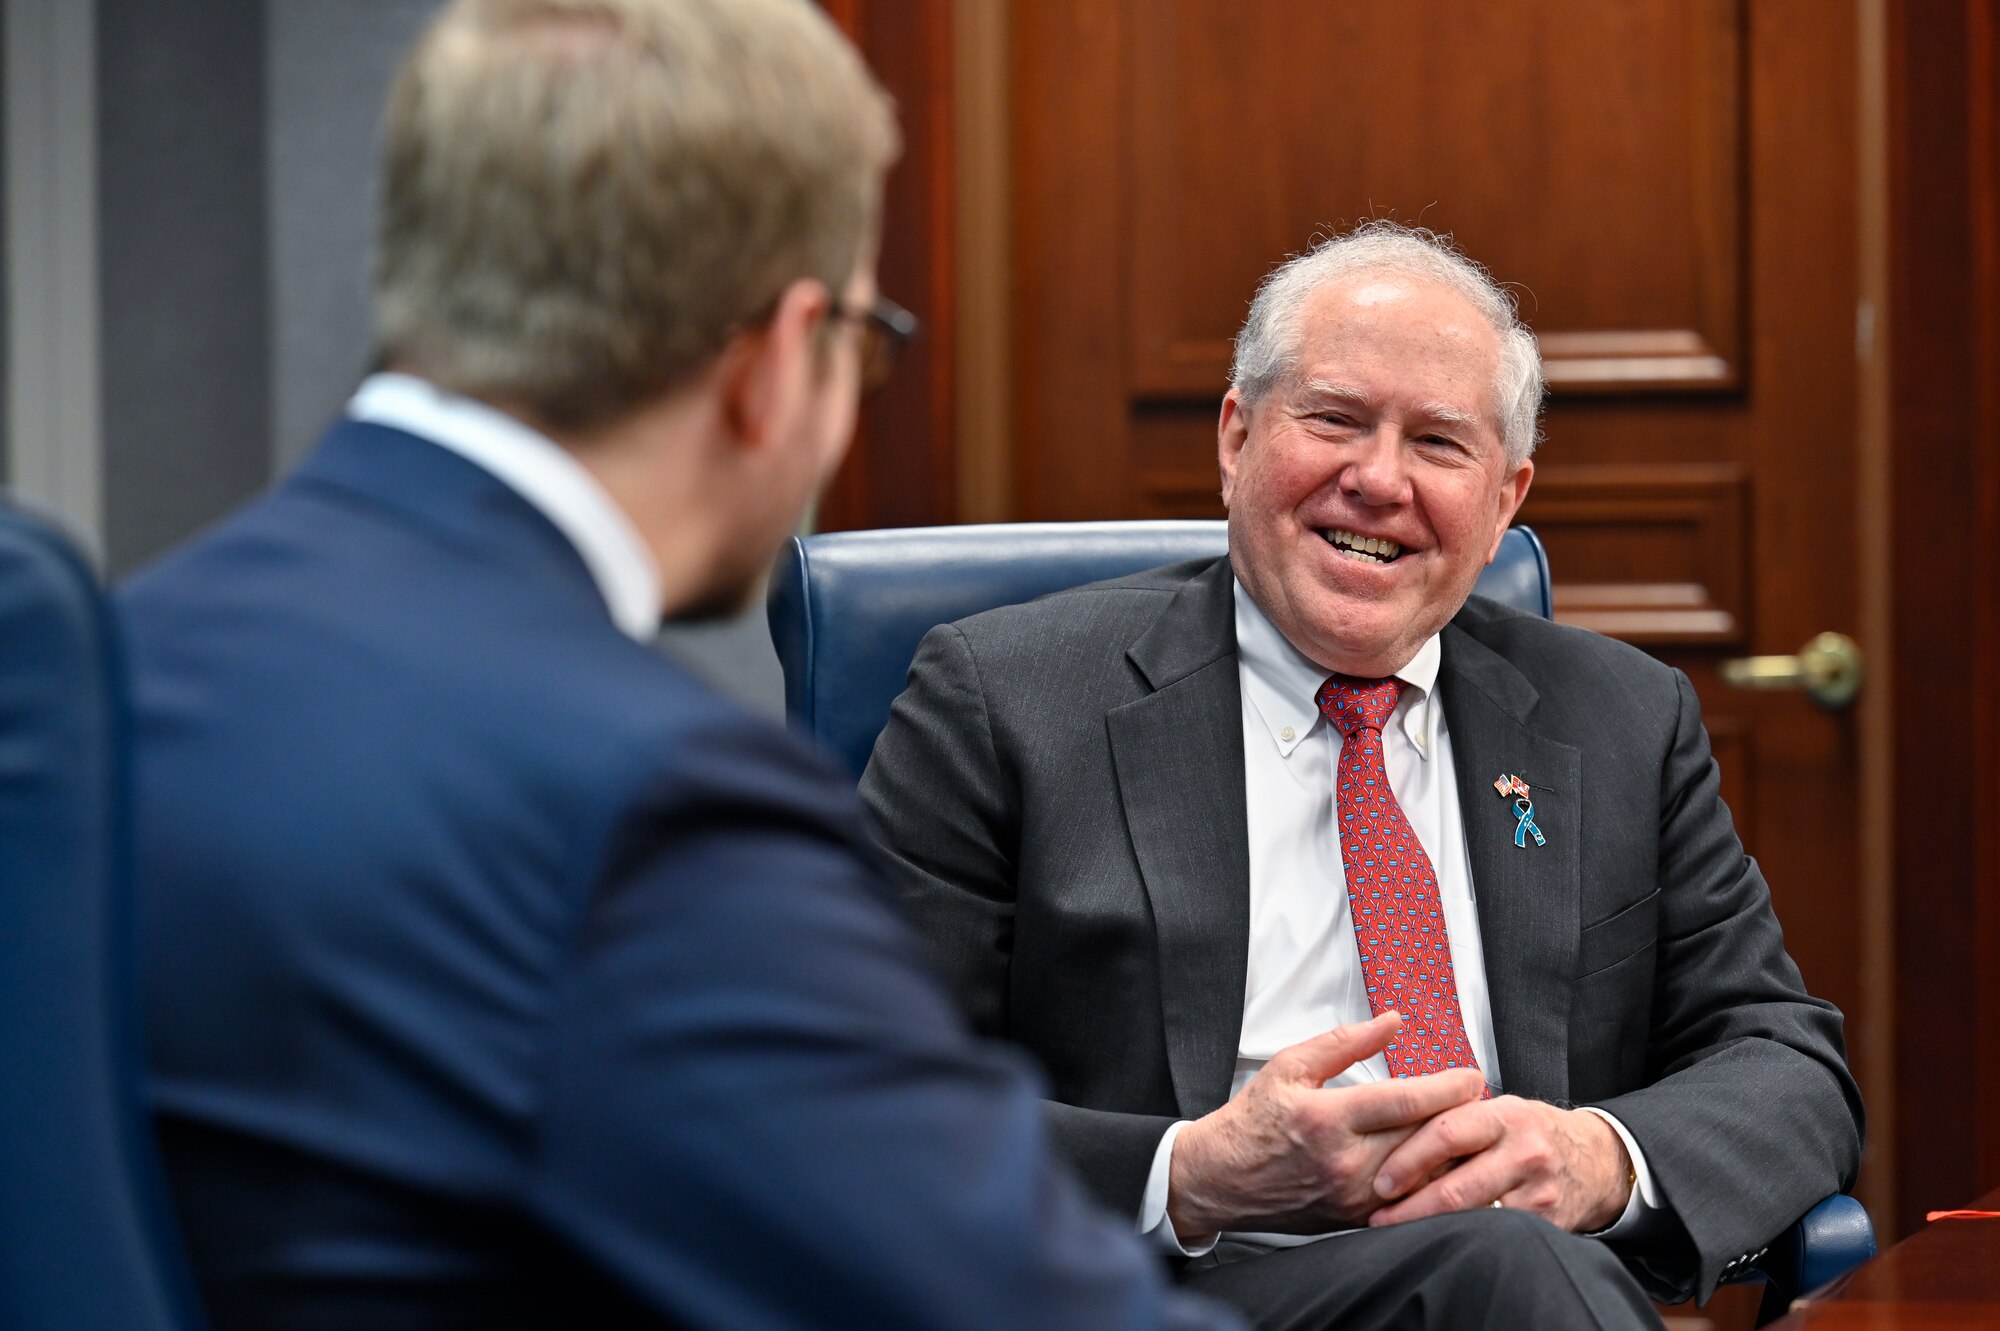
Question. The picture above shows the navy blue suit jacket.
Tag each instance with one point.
(499, 974)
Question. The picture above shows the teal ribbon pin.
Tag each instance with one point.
(1526, 827)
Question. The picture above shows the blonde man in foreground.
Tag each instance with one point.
(498, 973)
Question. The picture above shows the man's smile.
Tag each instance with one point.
(1367, 549)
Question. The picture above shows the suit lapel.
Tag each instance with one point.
(1178, 753)
(1527, 896)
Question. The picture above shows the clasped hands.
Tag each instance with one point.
(1291, 1155)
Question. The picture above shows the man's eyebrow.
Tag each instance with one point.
(1327, 390)
(1440, 414)
(1314, 391)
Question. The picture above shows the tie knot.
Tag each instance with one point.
(1350, 704)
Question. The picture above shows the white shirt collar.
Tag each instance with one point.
(1280, 682)
(542, 472)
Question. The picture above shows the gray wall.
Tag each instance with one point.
(6, 454)
(330, 65)
(236, 159)
(735, 656)
(182, 268)
(54, 394)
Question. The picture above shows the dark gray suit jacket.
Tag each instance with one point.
(1063, 784)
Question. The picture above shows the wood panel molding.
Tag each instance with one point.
(902, 470)
(1072, 445)
(984, 274)
(1984, 157)
(1190, 495)
(1653, 554)
(1183, 321)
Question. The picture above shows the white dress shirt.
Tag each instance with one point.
(1304, 975)
(542, 472)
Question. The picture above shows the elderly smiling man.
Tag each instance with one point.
(1231, 847)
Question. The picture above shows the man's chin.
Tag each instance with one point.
(1364, 650)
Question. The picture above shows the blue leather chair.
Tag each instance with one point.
(848, 609)
(86, 1238)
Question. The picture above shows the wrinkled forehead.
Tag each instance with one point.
(1387, 332)
(1402, 316)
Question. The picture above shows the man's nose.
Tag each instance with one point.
(1378, 473)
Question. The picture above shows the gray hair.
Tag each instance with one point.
(584, 200)
(1267, 347)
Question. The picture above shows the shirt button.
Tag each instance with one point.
(1288, 734)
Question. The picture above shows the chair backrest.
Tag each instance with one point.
(86, 1239)
(849, 608)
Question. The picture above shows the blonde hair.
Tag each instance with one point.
(583, 200)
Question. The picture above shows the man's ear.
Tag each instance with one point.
(767, 371)
(1512, 491)
(1232, 431)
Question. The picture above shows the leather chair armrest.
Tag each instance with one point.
(1826, 1242)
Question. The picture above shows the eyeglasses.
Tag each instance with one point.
(886, 328)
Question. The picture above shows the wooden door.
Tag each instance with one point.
(1937, 470)
(1670, 186)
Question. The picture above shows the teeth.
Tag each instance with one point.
(1374, 549)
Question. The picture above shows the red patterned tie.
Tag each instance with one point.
(1392, 890)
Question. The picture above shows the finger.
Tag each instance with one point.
(1478, 1182)
(1326, 1056)
(1402, 1100)
(1453, 1135)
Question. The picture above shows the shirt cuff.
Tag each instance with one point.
(1154, 1226)
(1644, 1203)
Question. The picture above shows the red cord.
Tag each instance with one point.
(1962, 1215)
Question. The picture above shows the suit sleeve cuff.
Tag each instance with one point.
(1643, 1206)
(1154, 1226)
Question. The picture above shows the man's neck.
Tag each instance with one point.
(655, 465)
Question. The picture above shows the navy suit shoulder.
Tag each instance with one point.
(499, 973)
